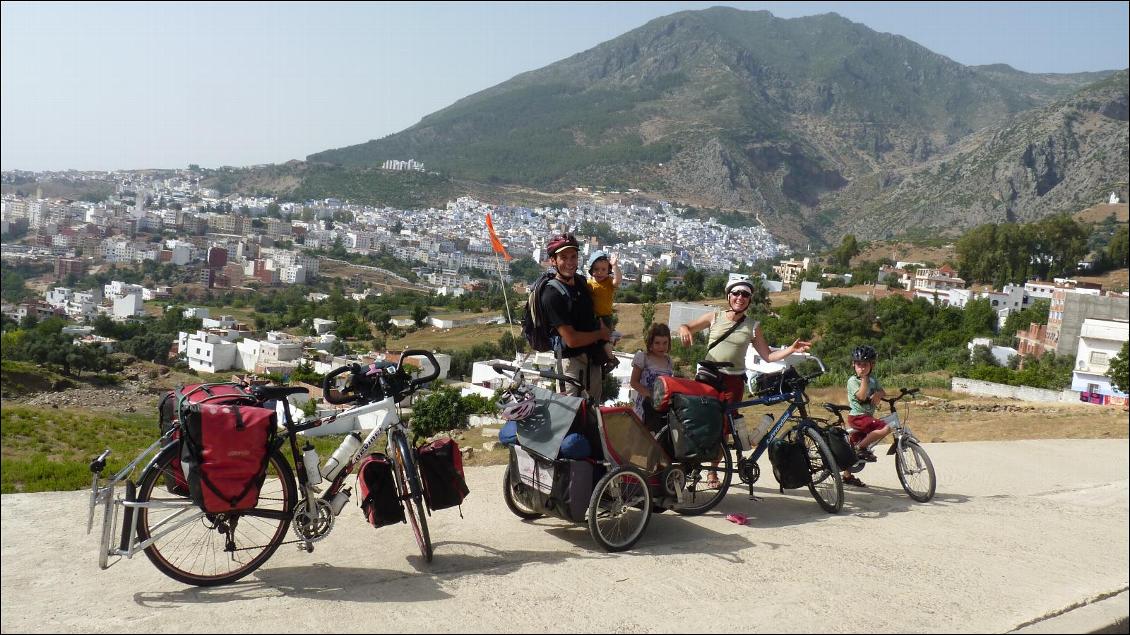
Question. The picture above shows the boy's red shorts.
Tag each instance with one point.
(863, 425)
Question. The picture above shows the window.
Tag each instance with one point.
(1099, 359)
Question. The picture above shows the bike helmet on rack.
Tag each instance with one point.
(519, 409)
(865, 353)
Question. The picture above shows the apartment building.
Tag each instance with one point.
(1099, 342)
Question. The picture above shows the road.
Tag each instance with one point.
(1019, 532)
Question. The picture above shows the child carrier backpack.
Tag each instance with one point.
(535, 329)
(225, 449)
(441, 467)
(169, 414)
(789, 458)
(379, 500)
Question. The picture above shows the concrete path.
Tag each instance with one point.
(1019, 534)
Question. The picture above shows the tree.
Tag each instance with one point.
(1119, 371)
(419, 314)
(648, 314)
(441, 411)
(847, 250)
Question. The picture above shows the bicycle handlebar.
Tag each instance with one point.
(349, 394)
(502, 369)
(328, 391)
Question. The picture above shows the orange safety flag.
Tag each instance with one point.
(494, 241)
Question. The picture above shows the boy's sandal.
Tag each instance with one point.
(854, 480)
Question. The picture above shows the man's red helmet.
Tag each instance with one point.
(560, 243)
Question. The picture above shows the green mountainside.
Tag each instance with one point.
(804, 121)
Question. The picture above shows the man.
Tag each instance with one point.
(572, 316)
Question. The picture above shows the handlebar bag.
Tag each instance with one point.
(169, 413)
(441, 467)
(698, 420)
(379, 500)
(777, 383)
(789, 458)
(224, 450)
(666, 386)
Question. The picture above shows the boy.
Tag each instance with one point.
(864, 393)
(604, 280)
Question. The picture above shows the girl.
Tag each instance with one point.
(647, 367)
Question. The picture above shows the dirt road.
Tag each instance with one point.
(1019, 532)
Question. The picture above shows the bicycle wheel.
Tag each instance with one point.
(512, 502)
(619, 509)
(698, 496)
(411, 492)
(202, 549)
(916, 472)
(826, 484)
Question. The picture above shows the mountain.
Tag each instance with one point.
(804, 122)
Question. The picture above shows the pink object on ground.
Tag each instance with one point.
(737, 519)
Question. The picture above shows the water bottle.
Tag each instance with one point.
(339, 501)
(341, 455)
(763, 428)
(741, 432)
(310, 462)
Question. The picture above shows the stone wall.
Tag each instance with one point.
(1023, 393)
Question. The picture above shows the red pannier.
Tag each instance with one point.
(666, 387)
(441, 466)
(169, 413)
(224, 449)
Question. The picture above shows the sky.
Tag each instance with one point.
(106, 86)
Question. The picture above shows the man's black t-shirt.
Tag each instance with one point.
(557, 311)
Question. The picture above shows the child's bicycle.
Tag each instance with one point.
(915, 470)
(206, 549)
(632, 473)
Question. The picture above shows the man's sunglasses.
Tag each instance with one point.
(742, 294)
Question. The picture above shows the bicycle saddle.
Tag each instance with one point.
(834, 408)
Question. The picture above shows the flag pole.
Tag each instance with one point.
(501, 281)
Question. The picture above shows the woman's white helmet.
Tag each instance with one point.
(739, 283)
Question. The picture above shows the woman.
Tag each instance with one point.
(731, 332)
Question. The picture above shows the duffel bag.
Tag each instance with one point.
(666, 387)
(789, 458)
(837, 440)
(700, 418)
(441, 467)
(224, 449)
(169, 413)
(379, 500)
(572, 489)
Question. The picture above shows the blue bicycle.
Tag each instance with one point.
(787, 386)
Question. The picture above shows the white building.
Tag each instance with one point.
(209, 351)
(1099, 342)
(128, 306)
(322, 327)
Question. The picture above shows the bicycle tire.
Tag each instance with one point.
(512, 503)
(911, 461)
(825, 483)
(619, 509)
(412, 492)
(194, 552)
(698, 497)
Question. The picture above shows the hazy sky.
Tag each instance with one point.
(102, 86)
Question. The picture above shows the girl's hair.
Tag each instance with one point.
(658, 329)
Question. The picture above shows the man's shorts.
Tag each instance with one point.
(863, 425)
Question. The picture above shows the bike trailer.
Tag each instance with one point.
(560, 488)
(169, 413)
(224, 451)
(379, 500)
(441, 467)
(627, 441)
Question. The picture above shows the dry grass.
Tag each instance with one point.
(1099, 213)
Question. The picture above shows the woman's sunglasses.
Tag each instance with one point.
(742, 294)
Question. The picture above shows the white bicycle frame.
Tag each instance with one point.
(114, 504)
